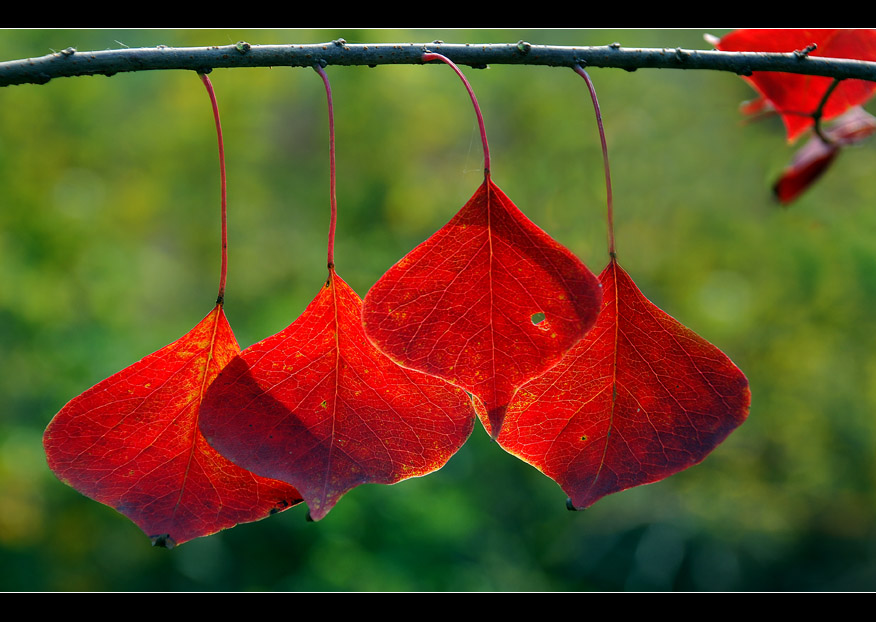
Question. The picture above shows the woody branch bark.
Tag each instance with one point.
(71, 62)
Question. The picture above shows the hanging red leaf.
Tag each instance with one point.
(318, 406)
(796, 97)
(132, 442)
(816, 156)
(808, 165)
(487, 302)
(638, 399)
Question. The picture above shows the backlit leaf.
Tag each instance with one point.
(795, 97)
(318, 406)
(816, 156)
(487, 303)
(638, 399)
(132, 442)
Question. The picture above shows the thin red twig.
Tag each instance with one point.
(332, 187)
(432, 56)
(609, 202)
(223, 272)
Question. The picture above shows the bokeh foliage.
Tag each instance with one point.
(109, 225)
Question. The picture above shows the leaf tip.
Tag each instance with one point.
(163, 541)
(319, 510)
(495, 419)
(571, 506)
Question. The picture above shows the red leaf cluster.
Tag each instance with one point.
(797, 97)
(583, 378)
(804, 101)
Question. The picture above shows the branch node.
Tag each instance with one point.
(524, 46)
(340, 42)
(681, 55)
(615, 45)
(745, 71)
(320, 62)
(801, 54)
(68, 51)
(205, 70)
(438, 41)
(242, 46)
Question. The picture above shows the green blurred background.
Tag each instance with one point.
(109, 250)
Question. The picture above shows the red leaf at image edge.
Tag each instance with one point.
(816, 156)
(639, 398)
(132, 442)
(794, 96)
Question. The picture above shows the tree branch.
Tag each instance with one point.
(70, 62)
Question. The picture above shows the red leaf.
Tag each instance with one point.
(796, 96)
(132, 442)
(808, 165)
(638, 399)
(816, 156)
(464, 305)
(318, 406)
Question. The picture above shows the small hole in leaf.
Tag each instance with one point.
(537, 318)
(583, 438)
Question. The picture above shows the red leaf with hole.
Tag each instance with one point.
(816, 156)
(463, 305)
(795, 97)
(132, 442)
(638, 399)
(318, 406)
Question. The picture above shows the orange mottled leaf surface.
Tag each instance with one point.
(487, 303)
(638, 399)
(132, 442)
(318, 406)
(795, 97)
